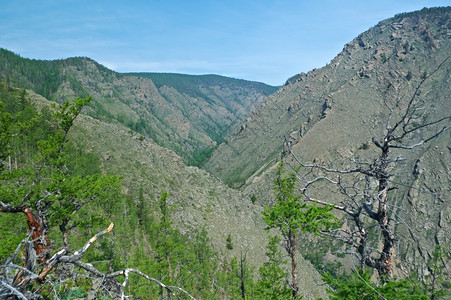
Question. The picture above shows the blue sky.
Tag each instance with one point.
(263, 40)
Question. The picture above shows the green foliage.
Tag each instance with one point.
(5, 135)
(290, 214)
(436, 284)
(230, 281)
(253, 198)
(272, 283)
(13, 231)
(41, 167)
(55, 178)
(186, 260)
(46, 75)
(360, 286)
(67, 112)
(229, 243)
(364, 146)
(318, 261)
(201, 156)
(189, 84)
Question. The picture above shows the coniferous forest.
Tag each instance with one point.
(169, 186)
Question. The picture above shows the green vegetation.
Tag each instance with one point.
(185, 260)
(65, 186)
(272, 283)
(44, 174)
(35, 180)
(360, 286)
(229, 243)
(188, 114)
(292, 216)
(180, 225)
(189, 84)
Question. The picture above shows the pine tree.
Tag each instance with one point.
(291, 216)
(273, 282)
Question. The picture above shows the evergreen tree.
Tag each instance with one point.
(360, 286)
(273, 279)
(35, 181)
(291, 216)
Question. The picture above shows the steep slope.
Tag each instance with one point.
(199, 200)
(330, 115)
(196, 201)
(387, 55)
(191, 121)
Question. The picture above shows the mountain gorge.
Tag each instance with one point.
(330, 116)
(213, 144)
(354, 83)
(188, 114)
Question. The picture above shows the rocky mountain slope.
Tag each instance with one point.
(328, 115)
(331, 114)
(188, 114)
(198, 200)
(388, 55)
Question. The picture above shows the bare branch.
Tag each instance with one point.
(421, 142)
(10, 209)
(324, 168)
(13, 290)
(343, 208)
(412, 99)
(92, 240)
(361, 278)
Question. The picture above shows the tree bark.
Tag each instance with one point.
(41, 241)
(384, 266)
(294, 271)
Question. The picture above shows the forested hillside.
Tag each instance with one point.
(191, 121)
(337, 185)
(178, 224)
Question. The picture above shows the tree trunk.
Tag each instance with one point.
(169, 273)
(41, 241)
(243, 291)
(294, 271)
(384, 266)
(40, 248)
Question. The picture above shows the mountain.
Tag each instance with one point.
(188, 114)
(331, 114)
(146, 127)
(353, 83)
(198, 200)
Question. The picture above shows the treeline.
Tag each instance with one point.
(41, 170)
(46, 78)
(65, 188)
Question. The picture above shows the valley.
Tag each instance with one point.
(197, 156)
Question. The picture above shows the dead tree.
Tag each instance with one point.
(49, 197)
(368, 210)
(17, 286)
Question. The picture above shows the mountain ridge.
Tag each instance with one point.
(330, 115)
(197, 199)
(308, 98)
(192, 124)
